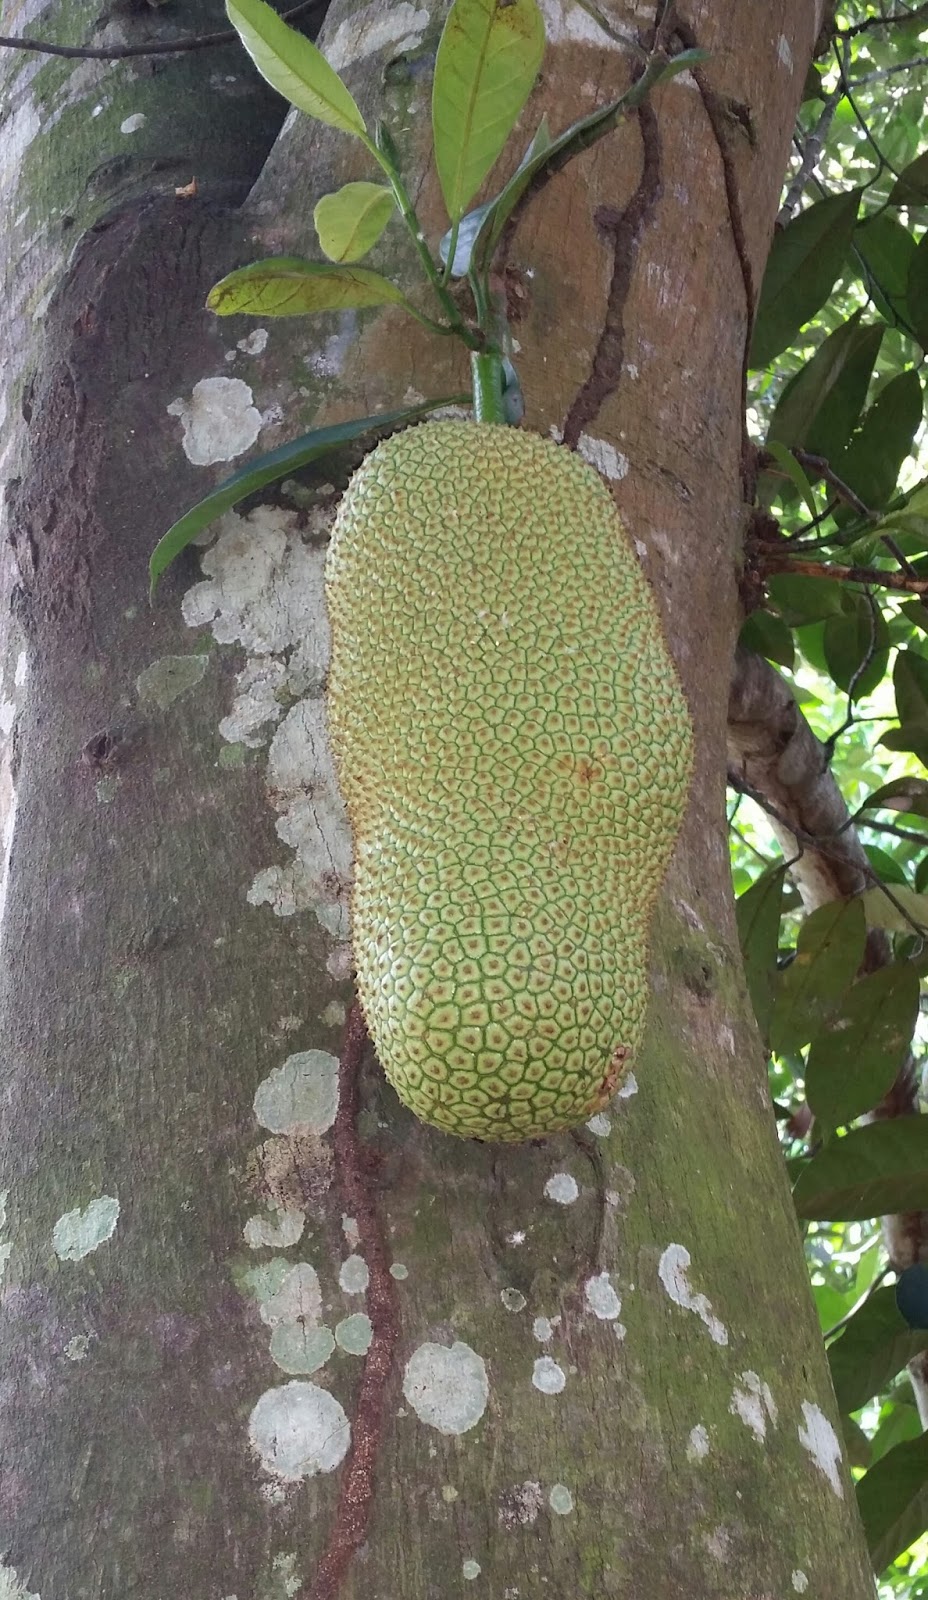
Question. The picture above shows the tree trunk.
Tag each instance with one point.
(259, 1339)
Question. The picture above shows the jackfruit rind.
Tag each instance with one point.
(514, 748)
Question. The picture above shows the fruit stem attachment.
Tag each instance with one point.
(408, 213)
(486, 370)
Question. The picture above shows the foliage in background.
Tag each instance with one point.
(837, 410)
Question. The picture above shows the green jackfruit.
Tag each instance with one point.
(514, 749)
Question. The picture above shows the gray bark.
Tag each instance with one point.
(595, 1367)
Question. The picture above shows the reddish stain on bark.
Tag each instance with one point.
(356, 1491)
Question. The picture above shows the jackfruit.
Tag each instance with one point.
(514, 750)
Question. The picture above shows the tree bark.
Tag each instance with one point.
(263, 1333)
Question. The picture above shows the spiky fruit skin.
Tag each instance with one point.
(514, 750)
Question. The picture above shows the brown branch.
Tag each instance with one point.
(356, 1490)
(773, 559)
(200, 41)
(623, 231)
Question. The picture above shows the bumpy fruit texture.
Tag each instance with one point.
(514, 749)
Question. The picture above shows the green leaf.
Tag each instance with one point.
(869, 1172)
(910, 519)
(870, 465)
(270, 468)
(488, 59)
(829, 950)
(893, 1500)
(287, 286)
(874, 1347)
(910, 681)
(805, 259)
(293, 66)
(903, 794)
(758, 916)
(770, 637)
(885, 866)
(856, 644)
(911, 186)
(821, 404)
(350, 221)
(787, 463)
(917, 293)
(804, 600)
(901, 1423)
(884, 249)
(896, 915)
(854, 1060)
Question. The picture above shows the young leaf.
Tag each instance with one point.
(870, 1172)
(758, 917)
(270, 468)
(350, 221)
(893, 1500)
(854, 1060)
(829, 951)
(487, 62)
(287, 286)
(805, 259)
(875, 1345)
(293, 66)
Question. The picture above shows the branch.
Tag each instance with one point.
(120, 52)
(775, 560)
(907, 14)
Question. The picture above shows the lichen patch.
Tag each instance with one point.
(299, 1430)
(165, 680)
(562, 1188)
(818, 1438)
(298, 1298)
(77, 1233)
(219, 420)
(672, 1270)
(448, 1388)
(354, 1275)
(753, 1402)
(601, 1297)
(398, 28)
(301, 1096)
(548, 1376)
(697, 1445)
(275, 1233)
